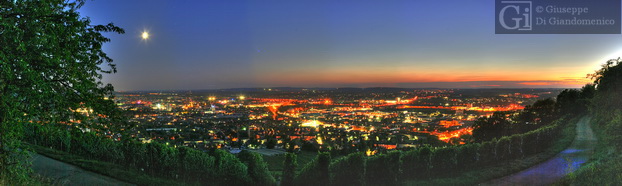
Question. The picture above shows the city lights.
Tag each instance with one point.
(324, 118)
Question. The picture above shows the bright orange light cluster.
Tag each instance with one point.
(449, 123)
(510, 107)
(358, 128)
(141, 102)
(446, 136)
(274, 109)
(387, 146)
(529, 96)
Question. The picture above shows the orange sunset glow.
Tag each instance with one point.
(400, 77)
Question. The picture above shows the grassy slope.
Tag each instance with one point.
(479, 175)
(605, 168)
(108, 169)
(33, 180)
(275, 163)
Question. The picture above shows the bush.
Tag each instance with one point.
(467, 155)
(257, 168)
(289, 169)
(502, 147)
(155, 159)
(444, 160)
(409, 163)
(229, 170)
(383, 169)
(196, 166)
(315, 172)
(349, 170)
(516, 146)
(487, 152)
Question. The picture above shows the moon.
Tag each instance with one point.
(145, 35)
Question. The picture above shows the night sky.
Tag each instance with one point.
(315, 43)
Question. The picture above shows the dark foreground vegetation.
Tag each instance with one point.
(606, 109)
(146, 162)
(184, 164)
(428, 165)
(51, 64)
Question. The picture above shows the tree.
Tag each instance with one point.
(349, 170)
(567, 102)
(487, 128)
(606, 104)
(289, 169)
(229, 170)
(384, 169)
(444, 160)
(467, 155)
(423, 162)
(588, 91)
(50, 66)
(544, 110)
(316, 171)
(270, 143)
(607, 79)
(409, 163)
(257, 168)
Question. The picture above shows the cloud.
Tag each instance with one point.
(475, 86)
(494, 84)
(535, 83)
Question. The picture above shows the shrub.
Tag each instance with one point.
(349, 170)
(289, 169)
(257, 168)
(383, 169)
(316, 171)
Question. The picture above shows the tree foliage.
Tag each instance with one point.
(316, 171)
(384, 169)
(289, 169)
(349, 170)
(155, 159)
(606, 106)
(495, 126)
(257, 168)
(51, 63)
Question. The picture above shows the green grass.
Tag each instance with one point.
(109, 169)
(33, 180)
(603, 169)
(275, 163)
(483, 174)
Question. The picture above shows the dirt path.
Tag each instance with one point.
(66, 174)
(552, 170)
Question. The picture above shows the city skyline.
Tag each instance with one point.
(418, 44)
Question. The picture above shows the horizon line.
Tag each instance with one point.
(420, 88)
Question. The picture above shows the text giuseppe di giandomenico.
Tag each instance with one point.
(557, 17)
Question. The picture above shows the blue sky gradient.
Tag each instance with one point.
(311, 43)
